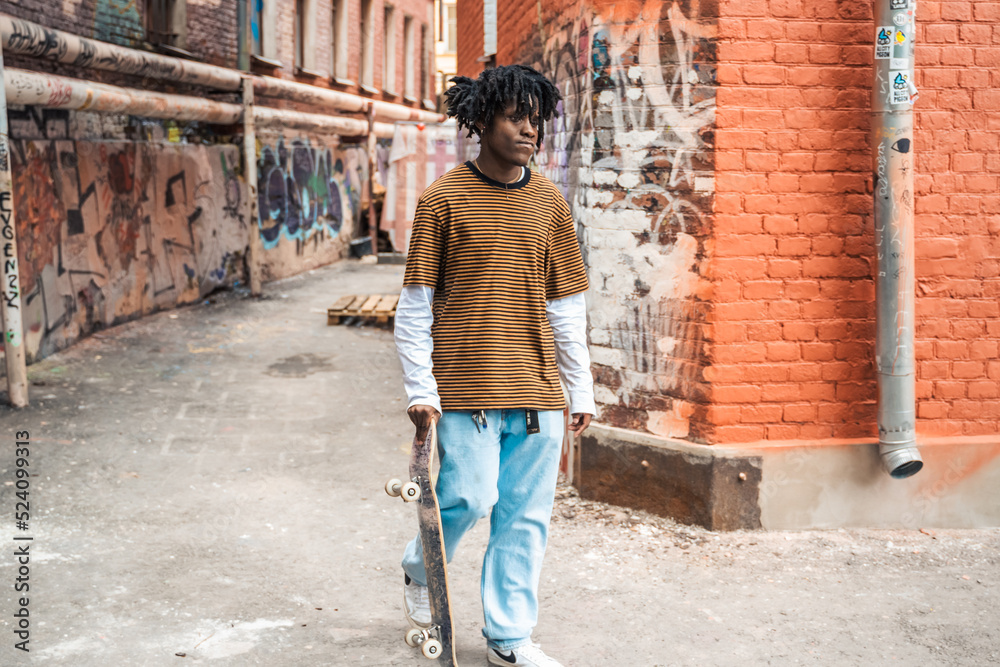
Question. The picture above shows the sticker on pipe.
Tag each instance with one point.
(900, 53)
(900, 92)
(883, 43)
(899, 4)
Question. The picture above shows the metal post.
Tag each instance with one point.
(250, 162)
(892, 152)
(372, 165)
(10, 303)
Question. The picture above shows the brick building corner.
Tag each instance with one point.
(716, 156)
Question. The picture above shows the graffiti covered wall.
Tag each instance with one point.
(633, 154)
(111, 229)
(308, 194)
(119, 217)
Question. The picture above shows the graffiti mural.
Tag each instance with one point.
(112, 230)
(118, 217)
(633, 154)
(307, 192)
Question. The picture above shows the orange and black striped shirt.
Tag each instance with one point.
(494, 254)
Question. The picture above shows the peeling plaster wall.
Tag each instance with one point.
(110, 228)
(633, 154)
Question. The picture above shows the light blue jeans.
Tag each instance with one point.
(498, 466)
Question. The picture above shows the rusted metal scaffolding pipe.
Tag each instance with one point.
(893, 164)
(32, 39)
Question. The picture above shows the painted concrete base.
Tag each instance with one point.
(800, 485)
(844, 485)
(694, 484)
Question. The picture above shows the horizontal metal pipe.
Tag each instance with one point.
(59, 92)
(32, 39)
(269, 86)
(351, 127)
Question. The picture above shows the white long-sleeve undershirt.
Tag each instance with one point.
(566, 316)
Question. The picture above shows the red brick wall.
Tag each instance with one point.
(212, 32)
(794, 295)
(958, 218)
(470, 37)
(782, 334)
(517, 18)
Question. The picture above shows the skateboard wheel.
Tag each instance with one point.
(410, 492)
(414, 637)
(431, 649)
(392, 487)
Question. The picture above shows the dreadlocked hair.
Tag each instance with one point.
(475, 102)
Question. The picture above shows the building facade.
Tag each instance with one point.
(120, 215)
(717, 158)
(369, 47)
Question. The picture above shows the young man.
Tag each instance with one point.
(491, 315)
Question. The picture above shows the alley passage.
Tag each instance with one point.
(208, 490)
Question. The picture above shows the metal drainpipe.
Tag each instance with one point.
(892, 145)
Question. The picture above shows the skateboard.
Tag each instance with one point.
(437, 641)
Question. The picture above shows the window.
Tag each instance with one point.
(490, 30)
(256, 23)
(451, 28)
(409, 58)
(166, 23)
(425, 62)
(305, 44)
(263, 18)
(300, 19)
(338, 49)
(367, 49)
(389, 51)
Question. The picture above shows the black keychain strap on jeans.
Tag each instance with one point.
(531, 421)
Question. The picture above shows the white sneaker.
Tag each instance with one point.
(529, 655)
(416, 604)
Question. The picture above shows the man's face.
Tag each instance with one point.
(511, 137)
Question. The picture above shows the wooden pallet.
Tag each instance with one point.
(380, 307)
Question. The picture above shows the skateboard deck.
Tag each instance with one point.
(437, 641)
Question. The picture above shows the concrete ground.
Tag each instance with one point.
(207, 489)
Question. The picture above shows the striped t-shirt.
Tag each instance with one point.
(494, 254)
